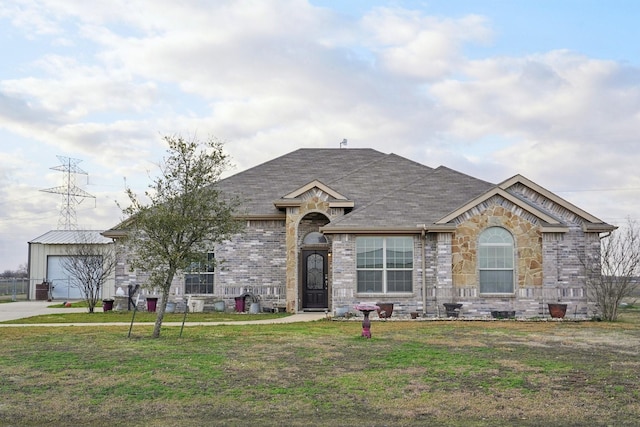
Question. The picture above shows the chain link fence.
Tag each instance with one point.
(13, 289)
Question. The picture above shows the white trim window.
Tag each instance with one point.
(384, 264)
(496, 261)
(198, 278)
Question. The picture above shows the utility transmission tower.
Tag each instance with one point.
(72, 195)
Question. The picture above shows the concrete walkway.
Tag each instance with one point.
(22, 309)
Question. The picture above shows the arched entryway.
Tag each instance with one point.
(314, 264)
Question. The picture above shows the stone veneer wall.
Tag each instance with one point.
(548, 267)
(434, 276)
(564, 275)
(528, 247)
(548, 264)
(313, 201)
(254, 261)
(125, 275)
(343, 272)
(528, 271)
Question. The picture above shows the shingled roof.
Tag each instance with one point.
(425, 200)
(387, 190)
(261, 185)
(384, 192)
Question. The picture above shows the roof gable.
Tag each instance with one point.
(310, 186)
(519, 179)
(507, 196)
(552, 221)
(314, 189)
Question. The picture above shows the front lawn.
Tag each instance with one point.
(448, 373)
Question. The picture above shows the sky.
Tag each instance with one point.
(549, 89)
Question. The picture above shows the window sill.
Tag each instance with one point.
(495, 295)
(388, 294)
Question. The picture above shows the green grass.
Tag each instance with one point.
(323, 373)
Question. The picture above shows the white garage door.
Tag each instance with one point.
(63, 283)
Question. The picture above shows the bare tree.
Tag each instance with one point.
(89, 263)
(186, 215)
(20, 272)
(611, 278)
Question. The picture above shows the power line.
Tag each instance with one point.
(72, 194)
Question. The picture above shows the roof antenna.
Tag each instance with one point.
(344, 142)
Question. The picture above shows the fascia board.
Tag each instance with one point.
(292, 203)
(598, 228)
(115, 233)
(265, 217)
(370, 230)
(519, 179)
(288, 203)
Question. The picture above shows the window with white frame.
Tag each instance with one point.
(384, 264)
(496, 261)
(198, 278)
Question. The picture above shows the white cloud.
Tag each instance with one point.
(270, 76)
(570, 119)
(412, 44)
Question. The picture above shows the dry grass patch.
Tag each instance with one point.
(324, 373)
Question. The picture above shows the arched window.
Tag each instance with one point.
(495, 261)
(314, 238)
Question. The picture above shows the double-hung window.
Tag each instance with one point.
(198, 278)
(495, 261)
(384, 264)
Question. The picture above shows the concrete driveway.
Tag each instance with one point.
(22, 309)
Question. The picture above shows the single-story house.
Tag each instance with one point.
(48, 279)
(328, 228)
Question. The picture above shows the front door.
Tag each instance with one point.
(315, 279)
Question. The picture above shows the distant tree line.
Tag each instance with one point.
(19, 273)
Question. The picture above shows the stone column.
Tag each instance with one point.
(444, 275)
(291, 224)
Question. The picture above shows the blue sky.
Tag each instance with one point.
(547, 89)
(596, 28)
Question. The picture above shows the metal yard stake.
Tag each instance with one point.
(184, 318)
(135, 308)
